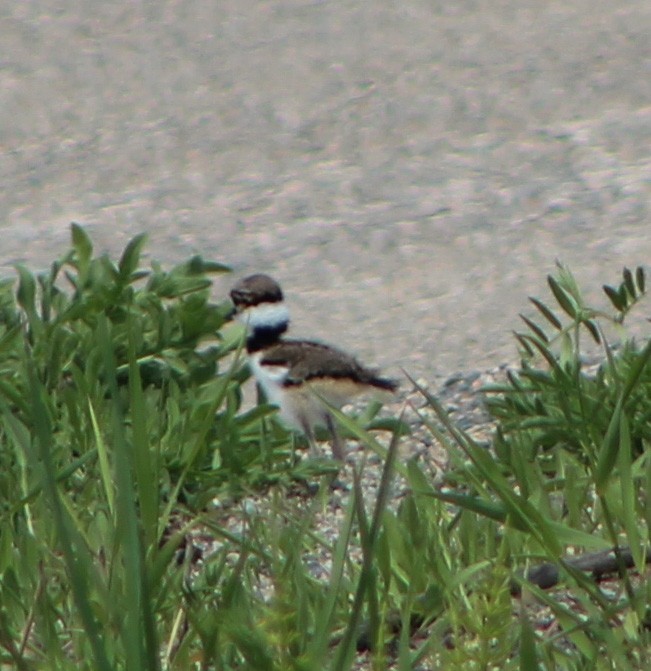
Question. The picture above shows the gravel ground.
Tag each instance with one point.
(459, 396)
(410, 172)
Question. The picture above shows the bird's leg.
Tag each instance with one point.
(337, 443)
(309, 434)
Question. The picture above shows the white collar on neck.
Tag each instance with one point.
(266, 316)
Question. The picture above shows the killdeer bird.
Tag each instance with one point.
(297, 375)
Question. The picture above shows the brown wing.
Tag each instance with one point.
(307, 360)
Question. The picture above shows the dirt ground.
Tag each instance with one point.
(409, 170)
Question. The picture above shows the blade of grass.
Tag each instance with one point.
(366, 438)
(138, 630)
(144, 464)
(522, 512)
(528, 652)
(629, 497)
(607, 457)
(104, 465)
(345, 651)
(78, 562)
(319, 646)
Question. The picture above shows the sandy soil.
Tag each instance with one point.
(410, 171)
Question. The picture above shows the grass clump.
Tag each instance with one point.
(105, 401)
(129, 538)
(124, 450)
(568, 474)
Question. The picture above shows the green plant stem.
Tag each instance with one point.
(621, 566)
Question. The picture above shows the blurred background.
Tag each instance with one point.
(409, 170)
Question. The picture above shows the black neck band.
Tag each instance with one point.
(264, 336)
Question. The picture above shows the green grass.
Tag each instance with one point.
(148, 521)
